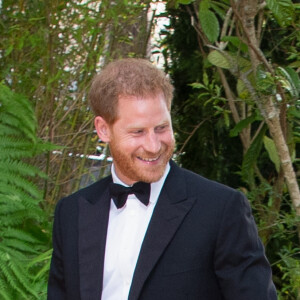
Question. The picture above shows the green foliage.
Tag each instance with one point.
(290, 266)
(229, 61)
(209, 21)
(226, 78)
(270, 147)
(24, 232)
(19, 118)
(283, 11)
(251, 156)
(282, 247)
(244, 123)
(290, 81)
(219, 59)
(50, 51)
(236, 42)
(265, 82)
(200, 110)
(183, 2)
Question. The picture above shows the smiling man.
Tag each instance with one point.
(141, 140)
(152, 230)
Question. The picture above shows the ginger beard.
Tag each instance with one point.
(141, 139)
(129, 166)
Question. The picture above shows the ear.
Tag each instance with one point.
(103, 129)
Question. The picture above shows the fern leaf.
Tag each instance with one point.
(17, 110)
(4, 292)
(21, 168)
(21, 182)
(21, 236)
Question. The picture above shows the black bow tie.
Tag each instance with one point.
(119, 193)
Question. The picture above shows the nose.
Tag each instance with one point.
(152, 143)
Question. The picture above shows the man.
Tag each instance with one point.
(192, 239)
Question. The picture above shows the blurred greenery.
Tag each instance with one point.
(221, 93)
(50, 50)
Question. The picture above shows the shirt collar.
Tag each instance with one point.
(155, 186)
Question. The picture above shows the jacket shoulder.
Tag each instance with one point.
(90, 193)
(196, 183)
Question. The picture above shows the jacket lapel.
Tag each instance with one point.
(92, 229)
(170, 210)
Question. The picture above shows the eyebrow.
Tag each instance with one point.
(164, 123)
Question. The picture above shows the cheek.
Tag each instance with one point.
(168, 138)
(129, 146)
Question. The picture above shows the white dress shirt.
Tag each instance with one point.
(126, 230)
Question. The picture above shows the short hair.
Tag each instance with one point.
(127, 77)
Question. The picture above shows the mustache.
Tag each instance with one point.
(163, 150)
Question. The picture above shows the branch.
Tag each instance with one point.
(257, 131)
(223, 45)
(191, 134)
(250, 43)
(260, 20)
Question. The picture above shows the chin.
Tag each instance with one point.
(151, 177)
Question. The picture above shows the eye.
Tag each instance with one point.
(137, 131)
(161, 128)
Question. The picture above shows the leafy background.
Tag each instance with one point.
(50, 50)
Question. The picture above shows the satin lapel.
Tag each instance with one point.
(93, 221)
(170, 210)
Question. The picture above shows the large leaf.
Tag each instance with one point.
(228, 60)
(210, 24)
(271, 149)
(243, 124)
(218, 59)
(289, 80)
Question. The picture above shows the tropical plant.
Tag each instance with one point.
(235, 64)
(24, 230)
(49, 51)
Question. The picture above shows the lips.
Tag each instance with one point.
(148, 159)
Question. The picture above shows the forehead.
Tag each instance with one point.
(151, 108)
(145, 96)
(155, 99)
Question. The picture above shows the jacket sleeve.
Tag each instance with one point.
(56, 282)
(242, 268)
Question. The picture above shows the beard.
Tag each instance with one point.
(129, 167)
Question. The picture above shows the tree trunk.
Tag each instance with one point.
(271, 115)
(245, 12)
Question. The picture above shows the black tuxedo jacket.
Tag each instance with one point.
(201, 244)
